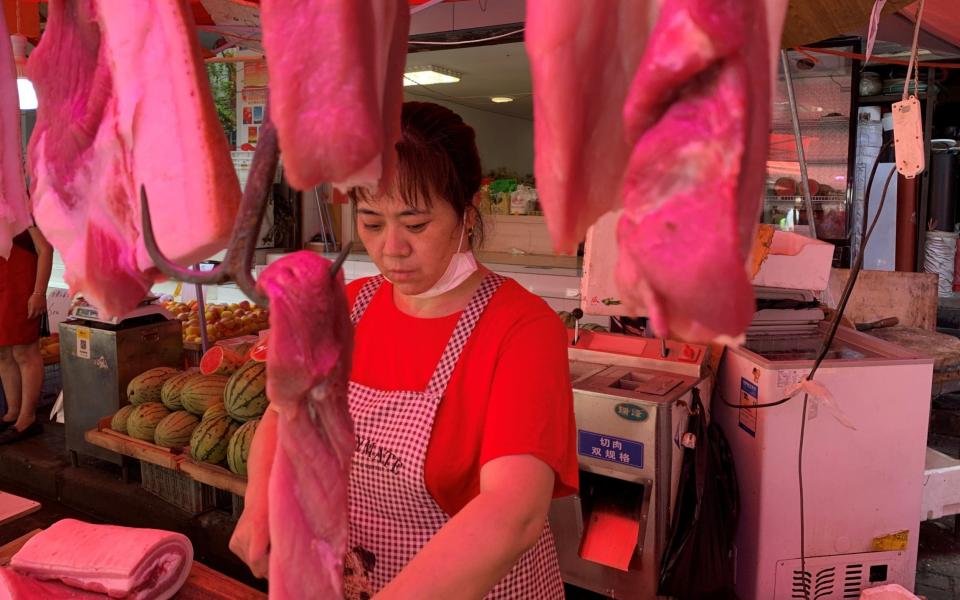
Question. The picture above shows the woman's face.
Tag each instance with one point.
(411, 246)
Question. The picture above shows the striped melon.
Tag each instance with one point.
(201, 393)
(238, 450)
(215, 410)
(210, 439)
(146, 386)
(119, 420)
(245, 396)
(143, 420)
(170, 392)
(175, 429)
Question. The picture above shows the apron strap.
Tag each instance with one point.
(461, 333)
(366, 294)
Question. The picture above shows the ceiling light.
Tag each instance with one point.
(429, 76)
(501, 99)
(27, 95)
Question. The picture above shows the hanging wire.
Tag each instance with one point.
(465, 42)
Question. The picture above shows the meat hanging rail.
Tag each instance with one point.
(238, 264)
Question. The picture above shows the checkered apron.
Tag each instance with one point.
(392, 514)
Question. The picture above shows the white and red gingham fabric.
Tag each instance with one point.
(392, 514)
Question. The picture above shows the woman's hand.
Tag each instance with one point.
(251, 538)
(36, 306)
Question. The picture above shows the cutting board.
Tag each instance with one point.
(13, 507)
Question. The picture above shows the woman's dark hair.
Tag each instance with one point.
(436, 158)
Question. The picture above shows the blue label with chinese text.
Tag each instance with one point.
(610, 448)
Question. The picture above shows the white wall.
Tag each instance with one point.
(503, 141)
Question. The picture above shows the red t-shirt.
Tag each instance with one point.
(510, 393)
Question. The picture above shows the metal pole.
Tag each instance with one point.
(798, 138)
(201, 313)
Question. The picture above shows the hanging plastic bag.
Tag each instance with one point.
(698, 561)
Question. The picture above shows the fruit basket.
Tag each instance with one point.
(223, 321)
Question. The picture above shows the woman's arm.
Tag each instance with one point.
(251, 537)
(482, 542)
(38, 301)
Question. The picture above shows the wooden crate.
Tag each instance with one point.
(177, 488)
(511, 234)
(215, 476)
(103, 436)
(238, 504)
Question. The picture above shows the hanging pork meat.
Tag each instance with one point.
(167, 120)
(14, 214)
(296, 510)
(124, 102)
(336, 86)
(691, 104)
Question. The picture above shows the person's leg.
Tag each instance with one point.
(30, 361)
(10, 377)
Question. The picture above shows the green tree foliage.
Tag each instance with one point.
(223, 85)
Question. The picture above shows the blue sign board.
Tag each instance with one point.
(610, 448)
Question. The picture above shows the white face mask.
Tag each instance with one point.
(462, 265)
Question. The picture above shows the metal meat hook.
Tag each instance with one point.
(238, 263)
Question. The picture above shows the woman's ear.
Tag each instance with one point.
(473, 209)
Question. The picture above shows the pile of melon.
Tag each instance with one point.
(213, 410)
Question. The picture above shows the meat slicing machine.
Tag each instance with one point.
(632, 397)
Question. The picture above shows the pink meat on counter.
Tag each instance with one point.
(14, 213)
(122, 562)
(336, 86)
(123, 101)
(696, 120)
(308, 366)
(14, 586)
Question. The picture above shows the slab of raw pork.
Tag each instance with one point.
(80, 178)
(123, 100)
(14, 214)
(581, 152)
(14, 586)
(336, 86)
(306, 480)
(122, 562)
(696, 118)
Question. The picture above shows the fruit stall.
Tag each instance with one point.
(222, 321)
(191, 429)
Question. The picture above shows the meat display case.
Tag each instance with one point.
(824, 86)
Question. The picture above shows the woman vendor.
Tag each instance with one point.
(460, 383)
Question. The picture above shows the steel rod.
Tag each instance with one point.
(202, 315)
(798, 139)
